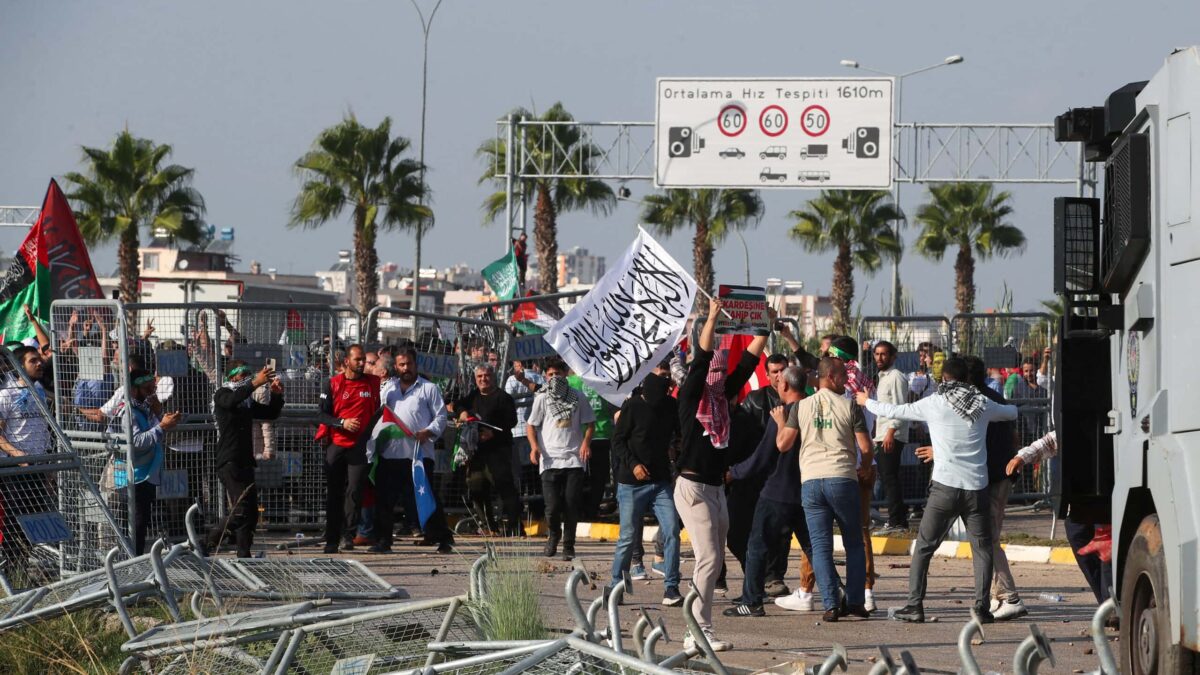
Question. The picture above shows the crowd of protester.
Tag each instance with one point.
(808, 450)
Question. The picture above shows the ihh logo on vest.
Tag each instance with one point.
(45, 528)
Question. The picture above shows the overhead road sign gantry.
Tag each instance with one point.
(784, 132)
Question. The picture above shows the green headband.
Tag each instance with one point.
(837, 353)
(239, 370)
(139, 381)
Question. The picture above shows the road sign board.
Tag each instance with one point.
(792, 132)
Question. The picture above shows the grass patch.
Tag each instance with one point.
(510, 608)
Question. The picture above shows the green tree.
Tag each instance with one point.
(126, 187)
(711, 213)
(971, 216)
(351, 165)
(855, 225)
(559, 148)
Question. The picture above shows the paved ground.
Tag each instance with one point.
(783, 637)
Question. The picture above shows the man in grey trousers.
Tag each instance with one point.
(958, 416)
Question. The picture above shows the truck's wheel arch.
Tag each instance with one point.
(1139, 504)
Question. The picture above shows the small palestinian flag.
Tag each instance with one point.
(293, 329)
(387, 427)
(537, 316)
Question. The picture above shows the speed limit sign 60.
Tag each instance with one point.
(814, 120)
(773, 120)
(732, 120)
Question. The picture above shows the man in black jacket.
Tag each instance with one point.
(235, 412)
(749, 422)
(491, 465)
(646, 428)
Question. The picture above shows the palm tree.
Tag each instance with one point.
(713, 214)
(126, 187)
(558, 148)
(351, 165)
(970, 215)
(854, 223)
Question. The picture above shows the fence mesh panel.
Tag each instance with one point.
(1014, 348)
(917, 340)
(378, 642)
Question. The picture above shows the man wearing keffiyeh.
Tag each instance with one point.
(958, 416)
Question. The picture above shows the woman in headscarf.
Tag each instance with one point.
(704, 419)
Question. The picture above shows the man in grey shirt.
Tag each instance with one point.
(890, 436)
(958, 416)
(560, 428)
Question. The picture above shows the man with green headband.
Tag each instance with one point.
(146, 451)
(235, 412)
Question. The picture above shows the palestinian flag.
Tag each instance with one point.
(387, 427)
(293, 329)
(736, 344)
(536, 316)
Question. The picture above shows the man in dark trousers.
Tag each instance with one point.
(235, 413)
(647, 427)
(779, 511)
(750, 419)
(348, 400)
(491, 465)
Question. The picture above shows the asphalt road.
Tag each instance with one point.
(784, 637)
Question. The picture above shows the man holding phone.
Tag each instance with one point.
(235, 411)
(348, 400)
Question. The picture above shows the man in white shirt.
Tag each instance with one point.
(23, 433)
(559, 430)
(957, 416)
(418, 404)
(521, 385)
(890, 437)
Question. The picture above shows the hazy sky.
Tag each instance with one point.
(240, 89)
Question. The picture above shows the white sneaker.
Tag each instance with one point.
(1009, 611)
(869, 600)
(995, 605)
(717, 645)
(798, 600)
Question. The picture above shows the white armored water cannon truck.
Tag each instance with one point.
(1127, 386)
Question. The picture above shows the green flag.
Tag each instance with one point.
(501, 276)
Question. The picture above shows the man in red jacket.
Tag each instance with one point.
(347, 403)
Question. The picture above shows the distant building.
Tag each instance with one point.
(577, 266)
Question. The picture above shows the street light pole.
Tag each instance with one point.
(899, 78)
(425, 26)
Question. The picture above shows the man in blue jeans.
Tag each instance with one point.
(778, 512)
(646, 427)
(828, 426)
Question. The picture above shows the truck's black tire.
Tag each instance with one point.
(1145, 644)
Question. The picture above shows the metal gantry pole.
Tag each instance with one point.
(896, 199)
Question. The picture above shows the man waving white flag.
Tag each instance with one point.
(629, 322)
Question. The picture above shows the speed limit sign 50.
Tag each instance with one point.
(814, 120)
(732, 120)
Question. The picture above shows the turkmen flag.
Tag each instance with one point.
(426, 503)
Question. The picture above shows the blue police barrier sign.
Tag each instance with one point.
(437, 365)
(174, 484)
(45, 528)
(532, 347)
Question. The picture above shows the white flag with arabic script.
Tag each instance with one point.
(615, 335)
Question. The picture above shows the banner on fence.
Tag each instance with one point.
(531, 347)
(629, 322)
(745, 310)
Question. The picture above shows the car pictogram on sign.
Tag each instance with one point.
(734, 153)
(774, 151)
(766, 175)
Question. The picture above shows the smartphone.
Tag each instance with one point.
(271, 364)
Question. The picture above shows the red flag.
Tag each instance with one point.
(71, 273)
(736, 344)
